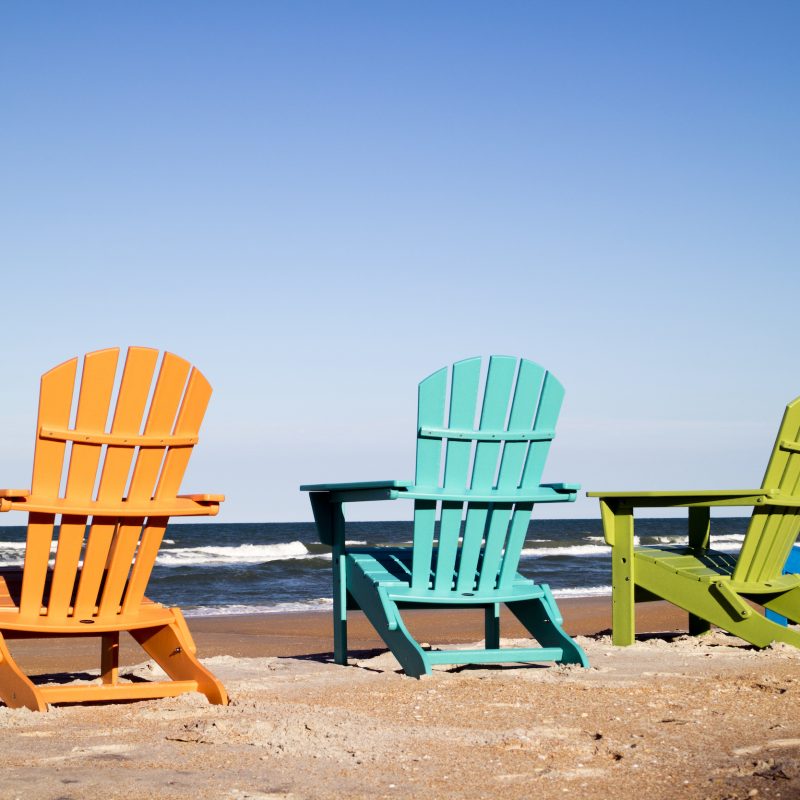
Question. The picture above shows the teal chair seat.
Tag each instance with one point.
(390, 570)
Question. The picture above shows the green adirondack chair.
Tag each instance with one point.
(714, 587)
(473, 495)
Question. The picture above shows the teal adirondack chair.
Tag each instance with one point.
(713, 586)
(473, 494)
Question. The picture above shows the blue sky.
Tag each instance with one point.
(320, 203)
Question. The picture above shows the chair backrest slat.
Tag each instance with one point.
(169, 389)
(431, 407)
(55, 404)
(488, 540)
(773, 530)
(137, 378)
(97, 384)
(463, 402)
(479, 543)
(546, 417)
(119, 551)
(193, 409)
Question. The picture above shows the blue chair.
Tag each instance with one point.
(792, 566)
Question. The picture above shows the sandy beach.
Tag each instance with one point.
(669, 717)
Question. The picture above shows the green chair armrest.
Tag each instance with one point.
(692, 497)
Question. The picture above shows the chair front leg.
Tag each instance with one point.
(492, 626)
(699, 540)
(339, 607)
(618, 532)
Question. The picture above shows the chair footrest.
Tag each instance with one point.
(503, 655)
(85, 693)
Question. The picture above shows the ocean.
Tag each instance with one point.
(247, 568)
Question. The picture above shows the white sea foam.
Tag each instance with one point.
(320, 604)
(582, 591)
(12, 554)
(242, 554)
(572, 550)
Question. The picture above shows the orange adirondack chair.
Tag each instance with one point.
(119, 490)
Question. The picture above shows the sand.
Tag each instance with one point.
(670, 717)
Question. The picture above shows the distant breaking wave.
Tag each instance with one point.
(582, 591)
(320, 604)
(572, 550)
(241, 554)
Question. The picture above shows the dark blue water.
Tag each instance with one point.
(247, 568)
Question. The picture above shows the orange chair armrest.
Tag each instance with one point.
(8, 496)
(204, 498)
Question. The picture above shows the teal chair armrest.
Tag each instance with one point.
(327, 498)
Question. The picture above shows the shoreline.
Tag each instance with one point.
(306, 633)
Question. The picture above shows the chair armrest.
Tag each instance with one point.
(363, 491)
(10, 496)
(204, 498)
(563, 487)
(692, 497)
(616, 510)
(327, 499)
(354, 486)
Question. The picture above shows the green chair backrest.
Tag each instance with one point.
(773, 529)
(487, 432)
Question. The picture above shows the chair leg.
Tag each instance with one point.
(109, 657)
(492, 625)
(723, 607)
(339, 610)
(16, 689)
(172, 648)
(384, 616)
(698, 626)
(619, 529)
(542, 619)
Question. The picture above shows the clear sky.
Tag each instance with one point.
(320, 203)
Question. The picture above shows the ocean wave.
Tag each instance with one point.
(582, 591)
(12, 554)
(570, 550)
(241, 554)
(320, 604)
